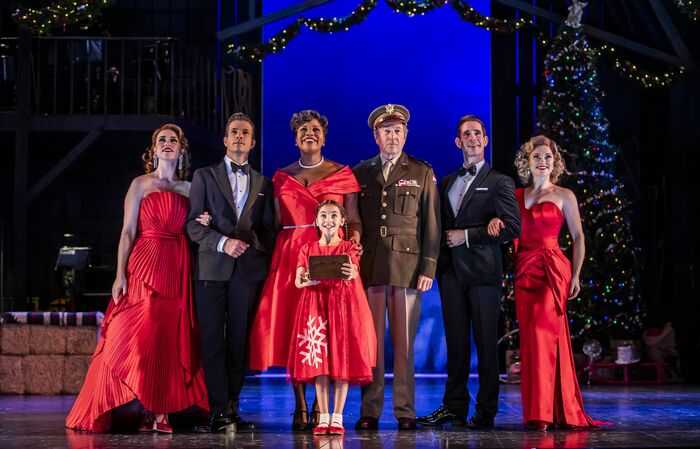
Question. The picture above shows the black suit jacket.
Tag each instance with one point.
(211, 191)
(490, 195)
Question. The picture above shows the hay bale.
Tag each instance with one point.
(43, 374)
(81, 340)
(74, 369)
(11, 374)
(14, 339)
(47, 339)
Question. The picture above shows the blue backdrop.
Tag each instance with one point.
(436, 65)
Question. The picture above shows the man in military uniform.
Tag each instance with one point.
(400, 211)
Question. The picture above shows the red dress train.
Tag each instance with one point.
(550, 390)
(149, 344)
(271, 332)
(333, 333)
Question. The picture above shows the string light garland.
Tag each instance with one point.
(279, 41)
(466, 12)
(689, 8)
(60, 13)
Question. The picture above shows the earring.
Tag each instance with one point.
(179, 162)
(155, 161)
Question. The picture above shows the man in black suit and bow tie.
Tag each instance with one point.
(233, 257)
(470, 274)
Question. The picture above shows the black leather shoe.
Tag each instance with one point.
(300, 421)
(480, 420)
(407, 424)
(242, 425)
(367, 423)
(441, 416)
(219, 422)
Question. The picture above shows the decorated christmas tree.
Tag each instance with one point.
(570, 112)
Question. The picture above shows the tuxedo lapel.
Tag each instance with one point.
(480, 177)
(256, 181)
(225, 185)
(451, 178)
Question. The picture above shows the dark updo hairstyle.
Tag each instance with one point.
(147, 157)
(306, 116)
(346, 230)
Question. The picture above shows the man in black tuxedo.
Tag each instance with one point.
(233, 257)
(470, 273)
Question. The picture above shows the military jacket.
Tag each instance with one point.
(400, 222)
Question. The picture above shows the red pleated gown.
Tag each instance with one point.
(149, 344)
(271, 333)
(550, 390)
(333, 333)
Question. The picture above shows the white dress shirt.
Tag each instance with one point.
(240, 186)
(459, 190)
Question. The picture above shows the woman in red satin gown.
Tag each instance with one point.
(544, 280)
(298, 190)
(333, 336)
(149, 348)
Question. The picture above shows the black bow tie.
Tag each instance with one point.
(245, 168)
(464, 170)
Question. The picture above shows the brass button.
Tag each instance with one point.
(408, 249)
(383, 217)
(384, 204)
(384, 193)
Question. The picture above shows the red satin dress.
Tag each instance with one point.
(333, 333)
(149, 344)
(271, 333)
(550, 390)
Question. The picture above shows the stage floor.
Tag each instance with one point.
(649, 416)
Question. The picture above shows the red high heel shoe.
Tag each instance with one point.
(541, 426)
(161, 425)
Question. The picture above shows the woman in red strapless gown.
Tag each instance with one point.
(298, 190)
(544, 280)
(149, 348)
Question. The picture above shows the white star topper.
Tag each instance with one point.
(575, 13)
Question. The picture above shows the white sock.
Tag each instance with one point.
(337, 419)
(324, 419)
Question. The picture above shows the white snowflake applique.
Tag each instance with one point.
(313, 341)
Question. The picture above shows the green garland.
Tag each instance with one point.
(279, 41)
(466, 12)
(60, 13)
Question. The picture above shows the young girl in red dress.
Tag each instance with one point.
(333, 336)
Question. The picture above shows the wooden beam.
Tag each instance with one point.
(86, 123)
(63, 164)
(604, 36)
(20, 220)
(670, 29)
(270, 18)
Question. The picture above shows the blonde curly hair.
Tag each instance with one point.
(147, 157)
(522, 159)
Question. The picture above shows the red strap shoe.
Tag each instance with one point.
(161, 424)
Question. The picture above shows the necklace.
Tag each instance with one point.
(310, 166)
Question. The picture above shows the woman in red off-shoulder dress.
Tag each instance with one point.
(298, 190)
(149, 349)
